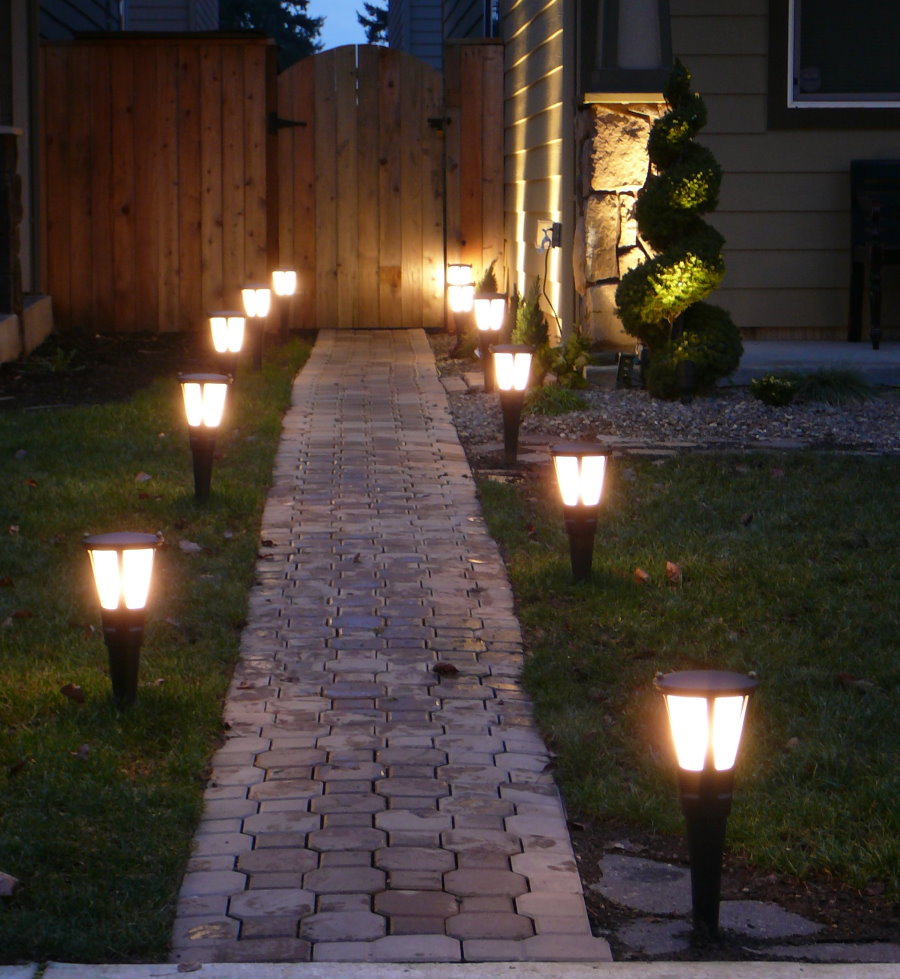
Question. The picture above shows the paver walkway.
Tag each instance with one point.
(383, 795)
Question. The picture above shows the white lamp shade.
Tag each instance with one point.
(460, 288)
(227, 332)
(257, 301)
(489, 311)
(580, 472)
(284, 282)
(512, 367)
(706, 710)
(123, 566)
(204, 399)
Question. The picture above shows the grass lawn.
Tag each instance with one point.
(98, 805)
(790, 567)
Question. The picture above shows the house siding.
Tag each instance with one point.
(539, 160)
(172, 15)
(60, 19)
(784, 204)
(463, 18)
(416, 26)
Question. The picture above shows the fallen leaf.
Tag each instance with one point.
(266, 542)
(674, 573)
(13, 529)
(158, 682)
(746, 519)
(142, 477)
(82, 752)
(22, 613)
(143, 496)
(357, 558)
(641, 576)
(792, 744)
(190, 967)
(228, 534)
(850, 682)
(445, 669)
(73, 692)
(32, 483)
(6, 582)
(17, 767)
(189, 547)
(8, 884)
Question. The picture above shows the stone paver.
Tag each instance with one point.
(365, 807)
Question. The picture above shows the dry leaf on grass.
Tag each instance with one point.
(142, 477)
(641, 576)
(189, 547)
(674, 573)
(73, 692)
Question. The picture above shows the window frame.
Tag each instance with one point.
(785, 112)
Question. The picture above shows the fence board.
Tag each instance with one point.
(122, 191)
(368, 212)
(147, 195)
(326, 190)
(100, 175)
(389, 183)
(346, 167)
(211, 174)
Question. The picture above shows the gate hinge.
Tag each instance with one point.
(276, 123)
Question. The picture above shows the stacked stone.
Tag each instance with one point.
(611, 141)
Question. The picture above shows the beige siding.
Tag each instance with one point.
(538, 127)
(784, 206)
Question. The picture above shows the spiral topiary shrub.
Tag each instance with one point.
(659, 301)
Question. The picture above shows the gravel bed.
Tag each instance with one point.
(731, 418)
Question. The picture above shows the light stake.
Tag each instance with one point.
(284, 285)
(227, 329)
(706, 710)
(580, 472)
(512, 369)
(257, 301)
(122, 564)
(490, 308)
(204, 405)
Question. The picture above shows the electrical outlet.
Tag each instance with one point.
(548, 236)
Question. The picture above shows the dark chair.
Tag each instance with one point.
(875, 238)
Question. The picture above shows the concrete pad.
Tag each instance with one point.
(762, 919)
(457, 970)
(18, 971)
(652, 936)
(645, 885)
(775, 356)
(839, 952)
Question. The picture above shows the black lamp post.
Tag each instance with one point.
(490, 308)
(580, 472)
(512, 367)
(284, 285)
(204, 404)
(227, 329)
(122, 565)
(706, 710)
(257, 301)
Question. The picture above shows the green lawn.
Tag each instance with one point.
(98, 805)
(791, 568)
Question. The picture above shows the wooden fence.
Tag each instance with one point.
(164, 187)
(155, 194)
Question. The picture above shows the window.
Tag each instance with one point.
(834, 63)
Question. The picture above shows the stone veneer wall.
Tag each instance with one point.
(611, 147)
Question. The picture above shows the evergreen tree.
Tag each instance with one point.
(659, 301)
(375, 23)
(287, 23)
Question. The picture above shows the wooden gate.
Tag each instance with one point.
(360, 175)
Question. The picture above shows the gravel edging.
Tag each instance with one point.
(730, 419)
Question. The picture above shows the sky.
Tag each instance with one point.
(341, 25)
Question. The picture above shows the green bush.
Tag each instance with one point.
(531, 329)
(568, 360)
(660, 301)
(772, 390)
(553, 400)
